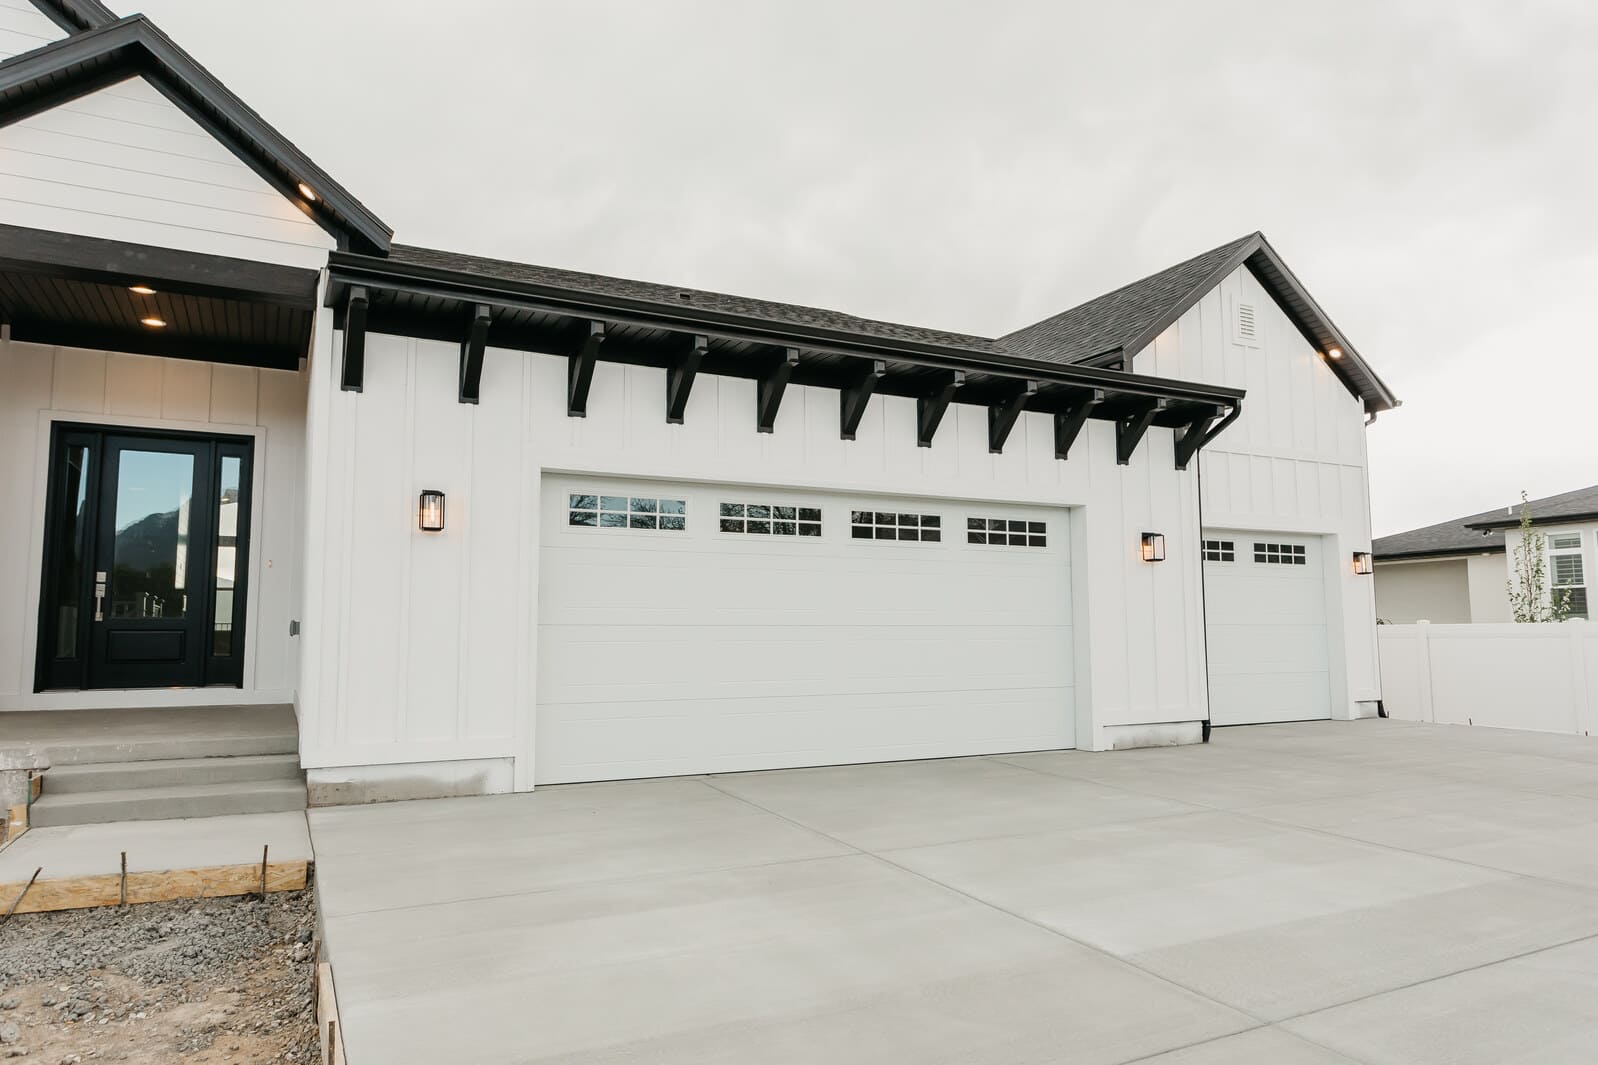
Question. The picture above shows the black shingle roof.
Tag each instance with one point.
(1114, 321)
(1483, 532)
(676, 296)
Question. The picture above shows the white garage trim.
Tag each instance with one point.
(714, 628)
(1266, 626)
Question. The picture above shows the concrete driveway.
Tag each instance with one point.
(1322, 893)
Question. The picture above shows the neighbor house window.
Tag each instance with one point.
(1567, 572)
(1219, 551)
(626, 512)
(1280, 554)
(1006, 532)
(881, 525)
(768, 519)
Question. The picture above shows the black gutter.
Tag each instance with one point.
(346, 268)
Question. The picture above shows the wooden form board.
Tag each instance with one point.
(330, 1033)
(85, 892)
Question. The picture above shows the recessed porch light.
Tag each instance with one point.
(1334, 353)
(154, 322)
(308, 192)
(141, 290)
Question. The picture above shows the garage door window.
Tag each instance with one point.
(1220, 551)
(767, 519)
(626, 512)
(881, 525)
(1006, 532)
(1280, 554)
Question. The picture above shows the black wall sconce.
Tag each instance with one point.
(1153, 547)
(1362, 563)
(430, 511)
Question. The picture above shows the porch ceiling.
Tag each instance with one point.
(76, 291)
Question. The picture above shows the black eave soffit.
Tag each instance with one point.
(110, 52)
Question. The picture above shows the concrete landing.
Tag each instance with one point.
(1322, 894)
(155, 846)
(73, 737)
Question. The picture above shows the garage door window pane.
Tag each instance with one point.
(1281, 554)
(766, 519)
(1219, 550)
(896, 526)
(626, 512)
(1004, 532)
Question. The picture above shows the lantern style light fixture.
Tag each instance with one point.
(430, 511)
(1153, 547)
(1362, 563)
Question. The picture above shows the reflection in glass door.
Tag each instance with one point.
(145, 555)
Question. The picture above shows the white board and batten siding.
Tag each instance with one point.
(690, 645)
(44, 385)
(24, 27)
(125, 163)
(426, 648)
(1294, 464)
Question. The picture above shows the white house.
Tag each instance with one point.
(488, 525)
(1459, 572)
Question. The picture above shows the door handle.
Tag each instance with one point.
(99, 595)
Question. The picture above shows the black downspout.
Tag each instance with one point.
(1204, 602)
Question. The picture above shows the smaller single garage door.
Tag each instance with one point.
(694, 628)
(1265, 621)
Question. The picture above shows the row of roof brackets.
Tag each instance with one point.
(1129, 428)
(773, 383)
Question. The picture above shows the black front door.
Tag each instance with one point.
(145, 560)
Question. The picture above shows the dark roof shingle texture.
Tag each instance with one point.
(1459, 536)
(1116, 319)
(673, 295)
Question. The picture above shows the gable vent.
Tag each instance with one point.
(1245, 323)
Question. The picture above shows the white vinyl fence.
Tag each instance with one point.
(1541, 677)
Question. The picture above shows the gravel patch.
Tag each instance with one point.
(205, 980)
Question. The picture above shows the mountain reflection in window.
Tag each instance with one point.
(626, 512)
(149, 570)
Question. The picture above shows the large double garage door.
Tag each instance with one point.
(692, 628)
(1265, 627)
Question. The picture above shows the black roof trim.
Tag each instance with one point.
(112, 51)
(347, 269)
(1487, 548)
(75, 16)
(1536, 519)
(1128, 319)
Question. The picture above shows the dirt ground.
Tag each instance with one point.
(208, 981)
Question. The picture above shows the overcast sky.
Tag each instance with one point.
(1428, 169)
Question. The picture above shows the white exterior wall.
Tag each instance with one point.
(24, 27)
(1433, 589)
(124, 163)
(421, 648)
(1295, 461)
(1488, 579)
(43, 385)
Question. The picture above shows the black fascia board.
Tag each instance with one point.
(1437, 553)
(97, 260)
(379, 274)
(76, 16)
(134, 46)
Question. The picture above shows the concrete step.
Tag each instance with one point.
(166, 772)
(76, 737)
(170, 801)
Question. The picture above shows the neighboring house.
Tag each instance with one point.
(489, 525)
(1458, 572)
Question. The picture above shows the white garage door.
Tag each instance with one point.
(713, 628)
(1265, 616)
